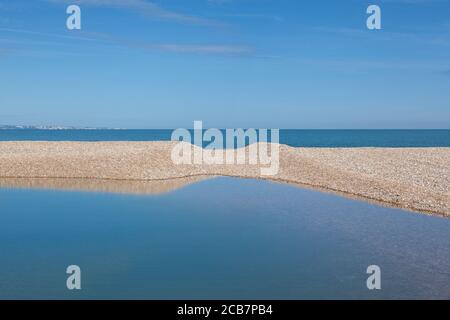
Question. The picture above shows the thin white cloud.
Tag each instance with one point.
(200, 49)
(43, 34)
(438, 39)
(255, 16)
(106, 39)
(147, 8)
(219, 1)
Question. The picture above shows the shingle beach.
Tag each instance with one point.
(416, 179)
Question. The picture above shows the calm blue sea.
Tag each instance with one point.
(295, 138)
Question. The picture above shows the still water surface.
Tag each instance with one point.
(223, 238)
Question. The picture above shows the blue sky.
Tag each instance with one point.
(230, 63)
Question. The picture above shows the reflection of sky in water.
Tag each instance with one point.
(220, 238)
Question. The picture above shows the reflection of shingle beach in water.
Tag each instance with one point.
(411, 178)
(153, 187)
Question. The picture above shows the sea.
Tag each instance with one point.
(294, 138)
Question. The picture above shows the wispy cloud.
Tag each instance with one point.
(42, 40)
(147, 8)
(200, 49)
(44, 34)
(255, 16)
(184, 48)
(219, 1)
(363, 65)
(433, 38)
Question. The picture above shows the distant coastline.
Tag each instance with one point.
(52, 127)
